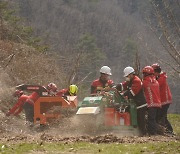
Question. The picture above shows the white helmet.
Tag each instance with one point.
(128, 70)
(105, 70)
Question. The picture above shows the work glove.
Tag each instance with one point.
(100, 88)
(119, 87)
(106, 89)
(114, 88)
(103, 89)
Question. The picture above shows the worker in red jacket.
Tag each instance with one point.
(132, 88)
(103, 83)
(24, 102)
(152, 95)
(71, 91)
(18, 107)
(51, 89)
(166, 97)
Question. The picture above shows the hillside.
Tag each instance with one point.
(77, 38)
(115, 33)
(20, 61)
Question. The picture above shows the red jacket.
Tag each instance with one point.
(165, 93)
(133, 90)
(63, 92)
(135, 86)
(32, 98)
(151, 91)
(18, 107)
(100, 84)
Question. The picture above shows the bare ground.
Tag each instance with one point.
(14, 130)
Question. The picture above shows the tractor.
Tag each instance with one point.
(108, 112)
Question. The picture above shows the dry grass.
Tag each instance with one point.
(21, 64)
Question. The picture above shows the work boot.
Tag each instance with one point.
(160, 130)
(169, 133)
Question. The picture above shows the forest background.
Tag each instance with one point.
(67, 41)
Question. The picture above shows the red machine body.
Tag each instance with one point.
(45, 108)
(115, 118)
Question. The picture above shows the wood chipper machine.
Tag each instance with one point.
(109, 112)
(46, 107)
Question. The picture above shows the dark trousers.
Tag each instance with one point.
(29, 112)
(162, 118)
(152, 125)
(141, 120)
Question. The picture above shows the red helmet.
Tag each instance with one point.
(156, 67)
(18, 93)
(52, 87)
(148, 70)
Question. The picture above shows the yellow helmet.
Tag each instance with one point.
(73, 89)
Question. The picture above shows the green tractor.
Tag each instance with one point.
(106, 113)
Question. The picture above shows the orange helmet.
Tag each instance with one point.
(18, 93)
(52, 87)
(156, 67)
(148, 70)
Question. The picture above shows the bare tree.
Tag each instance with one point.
(168, 30)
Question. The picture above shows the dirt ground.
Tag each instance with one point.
(14, 130)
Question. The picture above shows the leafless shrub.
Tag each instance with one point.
(167, 31)
(21, 64)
